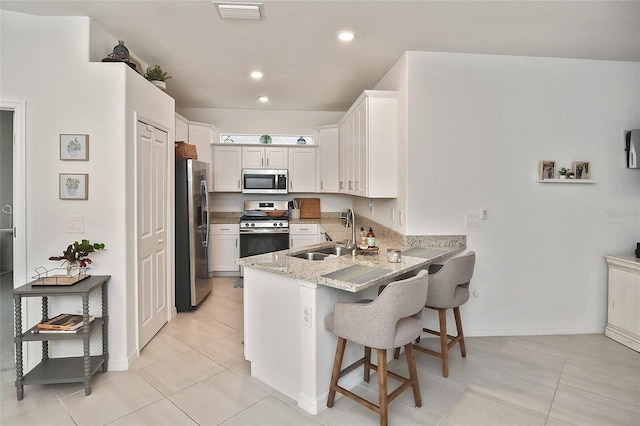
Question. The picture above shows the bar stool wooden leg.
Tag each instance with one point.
(444, 342)
(413, 374)
(383, 402)
(367, 363)
(335, 374)
(463, 349)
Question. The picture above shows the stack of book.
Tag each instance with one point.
(63, 323)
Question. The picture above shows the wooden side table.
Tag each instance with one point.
(65, 369)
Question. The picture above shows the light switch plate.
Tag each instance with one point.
(473, 219)
(75, 224)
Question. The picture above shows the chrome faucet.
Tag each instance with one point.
(351, 220)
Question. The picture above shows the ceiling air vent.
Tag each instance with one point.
(237, 10)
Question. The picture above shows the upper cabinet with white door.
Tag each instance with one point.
(259, 157)
(182, 128)
(227, 168)
(328, 159)
(369, 146)
(200, 135)
(302, 169)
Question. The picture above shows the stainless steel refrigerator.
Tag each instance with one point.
(192, 234)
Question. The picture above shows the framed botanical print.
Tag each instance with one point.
(74, 186)
(74, 147)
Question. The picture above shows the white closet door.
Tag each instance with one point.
(152, 201)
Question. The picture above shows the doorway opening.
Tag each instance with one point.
(7, 360)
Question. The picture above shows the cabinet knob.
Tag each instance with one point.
(160, 241)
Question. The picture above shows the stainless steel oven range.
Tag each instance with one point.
(260, 230)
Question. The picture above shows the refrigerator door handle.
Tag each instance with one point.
(205, 190)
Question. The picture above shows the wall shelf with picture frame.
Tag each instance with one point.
(579, 173)
(578, 181)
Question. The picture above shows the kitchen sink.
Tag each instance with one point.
(321, 254)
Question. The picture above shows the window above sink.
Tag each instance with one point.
(240, 138)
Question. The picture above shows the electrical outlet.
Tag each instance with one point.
(393, 215)
(371, 205)
(485, 214)
(307, 316)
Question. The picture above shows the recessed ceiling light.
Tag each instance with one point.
(263, 98)
(345, 36)
(257, 74)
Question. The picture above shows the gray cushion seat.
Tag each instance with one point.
(448, 289)
(387, 322)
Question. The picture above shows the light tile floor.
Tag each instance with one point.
(193, 372)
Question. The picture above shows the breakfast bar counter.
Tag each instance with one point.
(286, 299)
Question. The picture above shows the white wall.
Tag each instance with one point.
(76, 96)
(477, 126)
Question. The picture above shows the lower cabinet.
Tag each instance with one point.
(623, 313)
(303, 234)
(224, 248)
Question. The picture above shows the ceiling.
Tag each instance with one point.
(306, 68)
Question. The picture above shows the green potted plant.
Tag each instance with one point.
(562, 173)
(157, 76)
(76, 255)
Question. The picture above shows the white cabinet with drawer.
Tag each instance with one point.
(224, 247)
(302, 234)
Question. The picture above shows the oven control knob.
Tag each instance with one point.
(253, 224)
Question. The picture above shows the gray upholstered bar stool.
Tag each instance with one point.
(391, 320)
(448, 289)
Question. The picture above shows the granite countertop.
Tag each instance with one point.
(349, 273)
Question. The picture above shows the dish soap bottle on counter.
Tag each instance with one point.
(363, 237)
(371, 238)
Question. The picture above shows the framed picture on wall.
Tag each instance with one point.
(74, 186)
(581, 169)
(547, 170)
(74, 147)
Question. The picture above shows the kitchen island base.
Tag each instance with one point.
(285, 339)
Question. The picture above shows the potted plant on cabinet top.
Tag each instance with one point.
(157, 76)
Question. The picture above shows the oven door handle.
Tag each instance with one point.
(265, 231)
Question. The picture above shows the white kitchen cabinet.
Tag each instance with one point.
(369, 146)
(328, 159)
(198, 134)
(302, 234)
(258, 157)
(227, 168)
(623, 308)
(182, 128)
(302, 169)
(201, 135)
(224, 247)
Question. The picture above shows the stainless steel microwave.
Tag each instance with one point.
(264, 181)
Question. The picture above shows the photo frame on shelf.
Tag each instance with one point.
(581, 169)
(74, 186)
(547, 170)
(74, 147)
